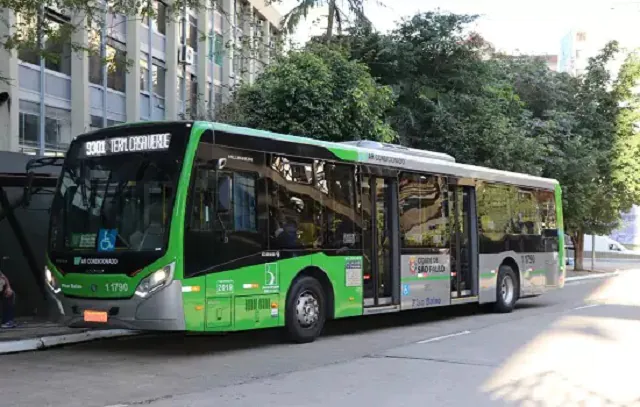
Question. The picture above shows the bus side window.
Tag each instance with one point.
(199, 216)
(200, 231)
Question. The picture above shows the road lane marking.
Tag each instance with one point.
(439, 338)
(586, 306)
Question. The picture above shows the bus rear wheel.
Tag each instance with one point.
(507, 290)
(305, 312)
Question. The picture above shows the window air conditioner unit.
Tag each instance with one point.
(186, 55)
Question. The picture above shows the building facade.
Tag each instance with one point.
(575, 50)
(153, 71)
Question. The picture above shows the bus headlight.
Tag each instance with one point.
(51, 280)
(155, 281)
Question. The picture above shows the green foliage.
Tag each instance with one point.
(338, 15)
(626, 147)
(316, 92)
(449, 97)
(456, 95)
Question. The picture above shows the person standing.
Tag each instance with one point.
(7, 298)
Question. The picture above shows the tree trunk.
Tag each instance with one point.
(578, 243)
(332, 17)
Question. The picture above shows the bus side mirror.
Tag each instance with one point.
(224, 194)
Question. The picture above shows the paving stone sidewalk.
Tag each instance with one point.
(31, 328)
(33, 334)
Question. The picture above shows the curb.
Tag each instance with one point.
(593, 277)
(24, 345)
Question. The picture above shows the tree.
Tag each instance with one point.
(337, 15)
(455, 94)
(316, 92)
(626, 147)
(585, 138)
(450, 98)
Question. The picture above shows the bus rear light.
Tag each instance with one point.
(155, 281)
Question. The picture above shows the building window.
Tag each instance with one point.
(217, 95)
(158, 78)
(95, 61)
(192, 33)
(57, 126)
(159, 18)
(116, 61)
(116, 65)
(96, 122)
(192, 94)
(211, 43)
(219, 49)
(56, 53)
(144, 73)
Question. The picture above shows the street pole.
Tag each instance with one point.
(593, 252)
(43, 119)
(103, 58)
(150, 62)
(184, 54)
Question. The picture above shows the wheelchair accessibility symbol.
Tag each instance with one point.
(107, 240)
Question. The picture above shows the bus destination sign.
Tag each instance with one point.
(130, 144)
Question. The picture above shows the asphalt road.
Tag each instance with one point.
(577, 346)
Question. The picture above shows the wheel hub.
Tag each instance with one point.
(307, 309)
(507, 289)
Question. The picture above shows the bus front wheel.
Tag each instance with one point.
(306, 310)
(507, 290)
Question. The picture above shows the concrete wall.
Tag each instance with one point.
(34, 221)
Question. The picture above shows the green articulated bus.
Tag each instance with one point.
(199, 226)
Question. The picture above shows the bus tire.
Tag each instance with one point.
(507, 289)
(305, 312)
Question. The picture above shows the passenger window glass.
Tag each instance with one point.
(236, 196)
(423, 220)
(547, 207)
(223, 213)
(336, 183)
(295, 205)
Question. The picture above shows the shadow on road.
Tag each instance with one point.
(200, 344)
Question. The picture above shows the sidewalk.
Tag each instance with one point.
(575, 275)
(33, 334)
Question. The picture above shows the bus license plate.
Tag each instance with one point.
(95, 316)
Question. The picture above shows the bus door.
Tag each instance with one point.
(464, 240)
(381, 265)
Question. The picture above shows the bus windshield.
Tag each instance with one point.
(116, 194)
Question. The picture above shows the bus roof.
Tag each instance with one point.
(366, 151)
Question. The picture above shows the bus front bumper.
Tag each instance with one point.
(162, 311)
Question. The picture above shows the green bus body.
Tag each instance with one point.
(218, 276)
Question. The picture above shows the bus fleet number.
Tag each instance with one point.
(528, 259)
(116, 287)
